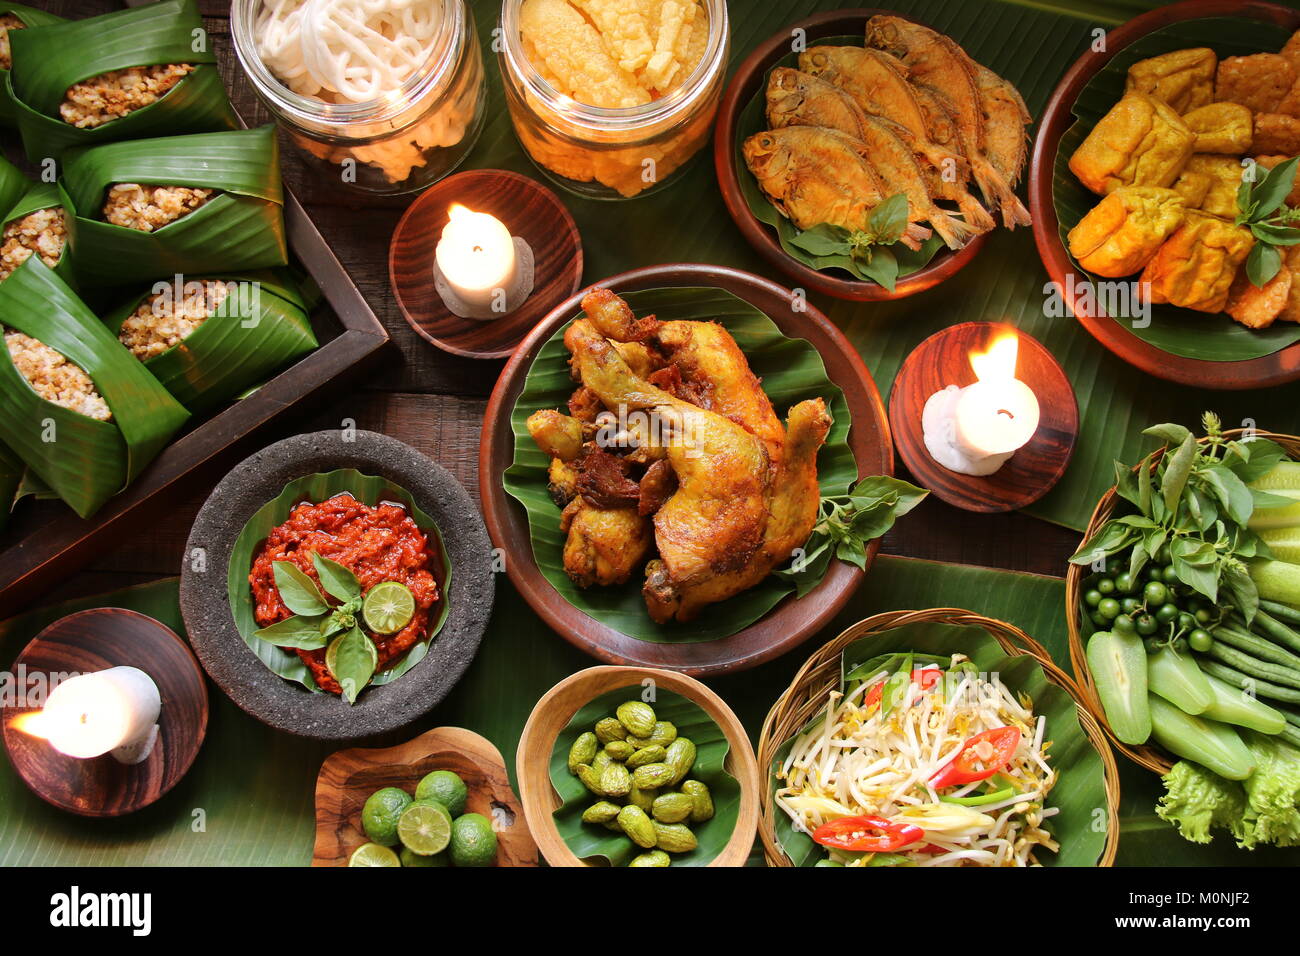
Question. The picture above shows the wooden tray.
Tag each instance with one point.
(1276, 369)
(44, 541)
(348, 777)
(790, 622)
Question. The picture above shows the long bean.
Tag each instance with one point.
(1260, 647)
(1291, 735)
(1261, 688)
(1276, 631)
(1291, 716)
(1253, 666)
(1283, 612)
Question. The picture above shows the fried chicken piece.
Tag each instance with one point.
(1226, 128)
(1140, 142)
(1196, 266)
(657, 485)
(1276, 133)
(1183, 78)
(1291, 263)
(1259, 81)
(1124, 231)
(1256, 307)
(605, 546)
(556, 434)
(585, 405)
(562, 482)
(604, 479)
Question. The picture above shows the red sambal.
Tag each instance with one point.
(376, 544)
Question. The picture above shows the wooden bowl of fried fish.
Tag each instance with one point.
(1171, 342)
(903, 101)
(789, 621)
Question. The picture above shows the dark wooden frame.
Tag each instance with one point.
(1276, 369)
(31, 563)
(788, 624)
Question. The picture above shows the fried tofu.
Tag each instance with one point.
(1224, 175)
(1258, 307)
(1258, 82)
(1276, 133)
(1196, 266)
(1226, 128)
(1140, 142)
(1124, 231)
(1184, 78)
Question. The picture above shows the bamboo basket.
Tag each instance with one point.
(807, 693)
(1155, 759)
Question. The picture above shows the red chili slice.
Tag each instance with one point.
(925, 679)
(855, 834)
(967, 767)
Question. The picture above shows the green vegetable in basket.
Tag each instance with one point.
(197, 205)
(1177, 679)
(83, 414)
(1208, 742)
(82, 83)
(209, 339)
(1234, 706)
(1118, 665)
(13, 18)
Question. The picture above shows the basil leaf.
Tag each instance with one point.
(298, 631)
(1137, 559)
(1198, 578)
(1271, 191)
(812, 568)
(1169, 432)
(1110, 538)
(1262, 454)
(882, 267)
(297, 590)
(823, 240)
(1275, 235)
(889, 219)
(353, 660)
(336, 579)
(853, 552)
(1231, 492)
(1177, 471)
(1241, 590)
(1263, 263)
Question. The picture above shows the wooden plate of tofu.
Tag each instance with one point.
(1144, 236)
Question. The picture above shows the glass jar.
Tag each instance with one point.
(608, 153)
(400, 142)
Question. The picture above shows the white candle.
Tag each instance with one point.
(476, 258)
(976, 429)
(114, 710)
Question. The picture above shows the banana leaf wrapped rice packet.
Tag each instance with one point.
(12, 184)
(190, 205)
(36, 224)
(14, 17)
(209, 339)
(80, 411)
(144, 71)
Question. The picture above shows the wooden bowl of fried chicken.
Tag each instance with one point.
(718, 536)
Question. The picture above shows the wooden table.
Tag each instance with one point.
(435, 401)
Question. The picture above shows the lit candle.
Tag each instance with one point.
(111, 711)
(976, 429)
(481, 271)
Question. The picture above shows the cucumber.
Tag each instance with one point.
(1283, 480)
(1276, 580)
(1284, 543)
(1213, 745)
(1233, 706)
(1118, 663)
(1177, 679)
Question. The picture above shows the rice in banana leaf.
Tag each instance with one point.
(12, 184)
(144, 71)
(148, 209)
(209, 339)
(36, 225)
(81, 413)
(14, 17)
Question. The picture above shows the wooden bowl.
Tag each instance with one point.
(95, 640)
(749, 79)
(530, 211)
(806, 696)
(347, 778)
(1275, 369)
(791, 622)
(557, 707)
(1153, 758)
(942, 360)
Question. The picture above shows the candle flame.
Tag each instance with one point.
(456, 211)
(34, 723)
(998, 361)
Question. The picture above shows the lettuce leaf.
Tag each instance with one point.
(1197, 800)
(1272, 792)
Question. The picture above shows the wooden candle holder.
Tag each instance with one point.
(944, 359)
(531, 212)
(95, 640)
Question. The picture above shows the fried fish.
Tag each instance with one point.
(800, 99)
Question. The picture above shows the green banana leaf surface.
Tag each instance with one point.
(368, 489)
(790, 370)
(1080, 789)
(30, 17)
(1183, 332)
(592, 841)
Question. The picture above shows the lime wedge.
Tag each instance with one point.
(372, 854)
(388, 607)
(425, 828)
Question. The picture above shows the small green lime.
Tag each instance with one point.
(445, 787)
(388, 607)
(409, 858)
(382, 811)
(473, 843)
(372, 854)
(425, 828)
